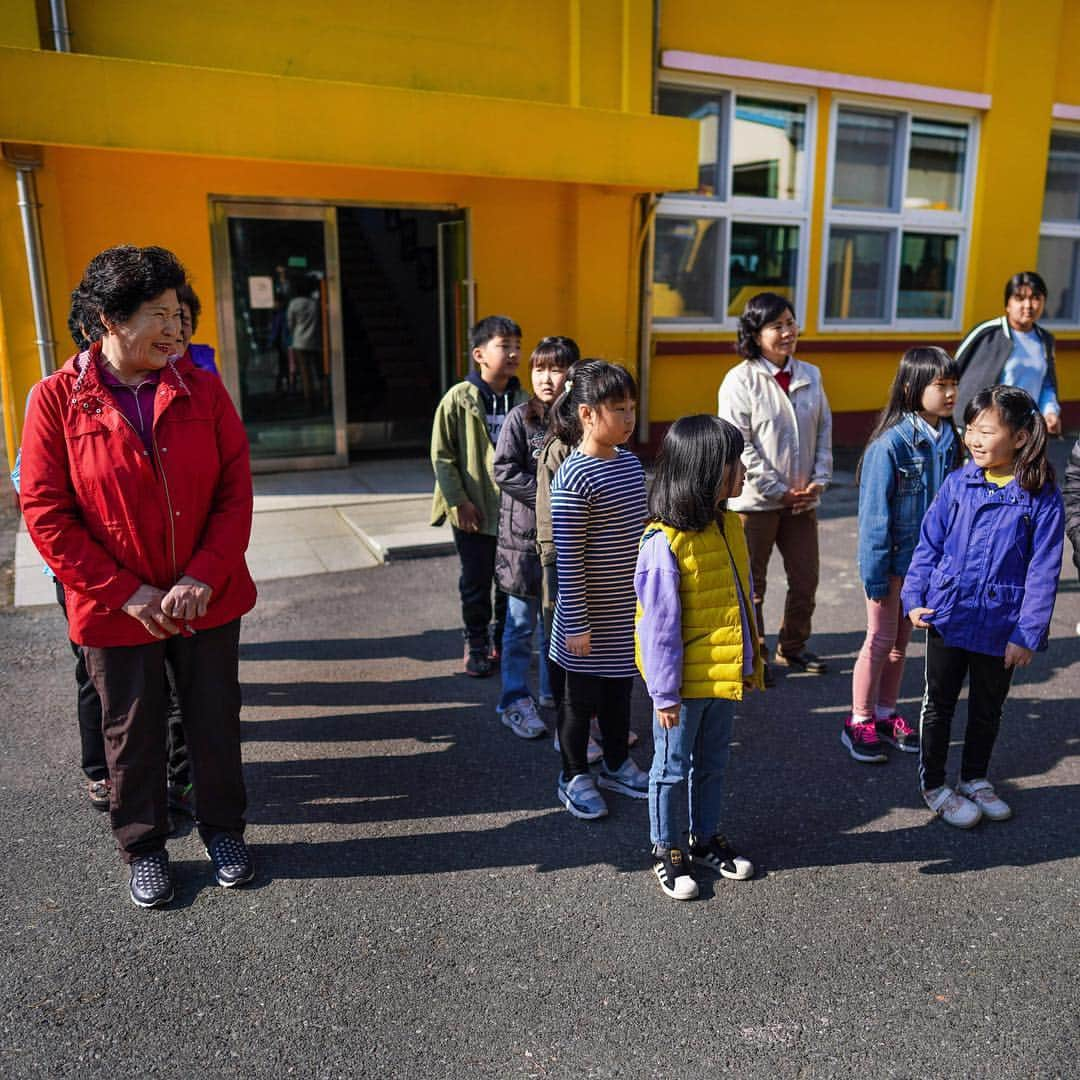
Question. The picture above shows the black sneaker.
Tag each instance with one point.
(673, 873)
(231, 859)
(721, 858)
(806, 661)
(151, 883)
(477, 661)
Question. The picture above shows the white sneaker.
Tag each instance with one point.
(953, 808)
(593, 752)
(983, 795)
(547, 701)
(522, 719)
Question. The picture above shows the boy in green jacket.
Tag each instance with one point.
(466, 428)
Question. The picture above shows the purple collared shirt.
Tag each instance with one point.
(135, 402)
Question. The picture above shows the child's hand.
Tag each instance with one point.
(669, 717)
(469, 517)
(917, 615)
(1017, 656)
(579, 644)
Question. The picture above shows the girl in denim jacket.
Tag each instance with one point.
(910, 451)
(982, 582)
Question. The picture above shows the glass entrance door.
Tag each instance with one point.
(279, 308)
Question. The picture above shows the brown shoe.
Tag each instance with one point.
(803, 661)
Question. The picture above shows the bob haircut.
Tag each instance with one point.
(592, 383)
(1018, 412)
(555, 352)
(118, 280)
(919, 367)
(695, 460)
(1025, 279)
(760, 310)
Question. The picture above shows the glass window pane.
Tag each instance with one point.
(864, 174)
(1059, 264)
(762, 257)
(768, 158)
(858, 274)
(927, 276)
(708, 108)
(935, 179)
(684, 268)
(1062, 201)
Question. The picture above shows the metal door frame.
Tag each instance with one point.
(221, 210)
(447, 367)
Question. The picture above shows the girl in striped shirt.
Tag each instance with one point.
(597, 515)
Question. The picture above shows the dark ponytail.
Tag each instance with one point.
(592, 382)
(1018, 412)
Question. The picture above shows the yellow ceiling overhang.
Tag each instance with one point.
(74, 99)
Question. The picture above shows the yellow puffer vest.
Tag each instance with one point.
(711, 623)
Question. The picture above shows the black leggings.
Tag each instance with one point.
(988, 687)
(606, 699)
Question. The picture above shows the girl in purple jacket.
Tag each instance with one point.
(982, 583)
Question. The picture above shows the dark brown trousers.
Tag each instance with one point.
(130, 681)
(796, 536)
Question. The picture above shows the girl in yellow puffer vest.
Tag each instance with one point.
(695, 645)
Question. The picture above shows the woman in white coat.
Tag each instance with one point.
(779, 405)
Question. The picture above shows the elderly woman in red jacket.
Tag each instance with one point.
(136, 490)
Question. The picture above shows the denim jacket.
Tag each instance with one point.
(901, 472)
(987, 563)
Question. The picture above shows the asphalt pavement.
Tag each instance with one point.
(424, 908)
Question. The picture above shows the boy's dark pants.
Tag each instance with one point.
(988, 686)
(134, 701)
(477, 554)
(606, 699)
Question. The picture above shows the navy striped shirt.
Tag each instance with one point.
(597, 515)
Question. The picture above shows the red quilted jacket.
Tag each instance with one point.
(107, 515)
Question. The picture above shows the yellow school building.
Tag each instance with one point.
(626, 172)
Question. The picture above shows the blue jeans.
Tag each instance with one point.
(688, 768)
(521, 619)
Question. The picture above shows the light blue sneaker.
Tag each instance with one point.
(581, 798)
(627, 779)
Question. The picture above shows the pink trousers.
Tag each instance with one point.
(880, 666)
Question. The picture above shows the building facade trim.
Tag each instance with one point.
(733, 67)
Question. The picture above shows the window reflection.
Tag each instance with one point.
(936, 165)
(1062, 199)
(857, 275)
(684, 268)
(762, 257)
(768, 155)
(708, 110)
(865, 166)
(927, 276)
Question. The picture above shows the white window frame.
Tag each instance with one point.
(743, 209)
(949, 222)
(1065, 230)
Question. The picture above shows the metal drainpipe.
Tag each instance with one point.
(24, 160)
(60, 30)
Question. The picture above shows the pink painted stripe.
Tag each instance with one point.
(678, 60)
(1066, 112)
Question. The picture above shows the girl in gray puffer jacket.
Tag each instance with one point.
(517, 563)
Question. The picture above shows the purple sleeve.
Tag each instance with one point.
(659, 630)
